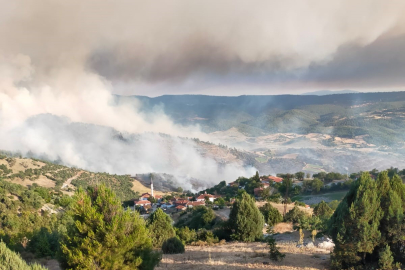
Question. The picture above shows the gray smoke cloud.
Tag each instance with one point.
(190, 46)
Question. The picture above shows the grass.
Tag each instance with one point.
(262, 159)
(317, 198)
(238, 256)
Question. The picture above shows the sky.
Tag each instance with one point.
(227, 47)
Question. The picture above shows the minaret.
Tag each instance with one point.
(151, 184)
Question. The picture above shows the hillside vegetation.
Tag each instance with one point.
(378, 116)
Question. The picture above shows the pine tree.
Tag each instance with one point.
(386, 261)
(104, 236)
(160, 227)
(354, 226)
(245, 220)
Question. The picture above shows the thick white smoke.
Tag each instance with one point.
(62, 58)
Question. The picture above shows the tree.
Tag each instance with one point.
(386, 261)
(104, 235)
(275, 254)
(354, 227)
(295, 215)
(322, 209)
(271, 215)
(245, 220)
(160, 227)
(300, 175)
(316, 185)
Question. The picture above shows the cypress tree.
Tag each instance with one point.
(245, 220)
(160, 227)
(104, 236)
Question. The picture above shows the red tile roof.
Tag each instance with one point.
(276, 179)
(142, 202)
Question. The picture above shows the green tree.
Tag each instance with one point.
(322, 209)
(245, 220)
(160, 227)
(300, 175)
(275, 253)
(354, 226)
(386, 261)
(316, 185)
(271, 215)
(104, 236)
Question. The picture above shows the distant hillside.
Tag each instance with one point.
(28, 172)
(329, 92)
(378, 116)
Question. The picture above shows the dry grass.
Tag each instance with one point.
(22, 164)
(238, 256)
(280, 207)
(139, 187)
(42, 181)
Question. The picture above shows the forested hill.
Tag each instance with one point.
(378, 116)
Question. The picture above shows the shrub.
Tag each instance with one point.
(207, 236)
(10, 260)
(186, 235)
(271, 215)
(160, 227)
(173, 246)
(275, 254)
(295, 215)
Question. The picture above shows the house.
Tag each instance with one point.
(211, 198)
(142, 203)
(276, 179)
(158, 197)
(194, 204)
(145, 197)
(181, 202)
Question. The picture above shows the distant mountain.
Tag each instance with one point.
(328, 92)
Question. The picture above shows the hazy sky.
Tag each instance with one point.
(226, 47)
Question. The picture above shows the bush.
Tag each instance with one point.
(10, 260)
(186, 235)
(295, 215)
(173, 246)
(207, 236)
(271, 215)
(275, 254)
(160, 227)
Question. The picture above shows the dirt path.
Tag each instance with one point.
(67, 184)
